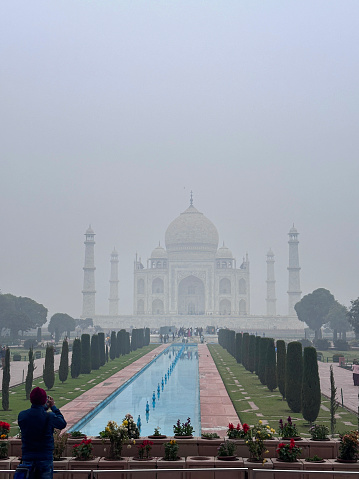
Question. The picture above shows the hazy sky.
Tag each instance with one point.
(112, 111)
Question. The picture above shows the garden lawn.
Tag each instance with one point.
(70, 389)
(253, 401)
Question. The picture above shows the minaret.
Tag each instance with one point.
(89, 292)
(113, 299)
(294, 292)
(271, 299)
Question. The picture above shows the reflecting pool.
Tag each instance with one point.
(168, 389)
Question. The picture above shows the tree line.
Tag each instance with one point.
(290, 369)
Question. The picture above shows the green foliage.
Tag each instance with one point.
(85, 354)
(118, 344)
(101, 347)
(263, 346)
(60, 323)
(239, 347)
(138, 338)
(252, 353)
(127, 343)
(353, 316)
(38, 338)
(281, 362)
(95, 353)
(49, 368)
(313, 309)
(20, 314)
(30, 343)
(322, 344)
(6, 381)
(311, 397)
(147, 336)
(30, 374)
(113, 345)
(338, 319)
(271, 366)
(294, 376)
(64, 362)
(341, 345)
(245, 350)
(76, 358)
(258, 342)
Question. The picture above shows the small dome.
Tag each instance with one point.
(293, 231)
(270, 252)
(224, 252)
(159, 252)
(90, 231)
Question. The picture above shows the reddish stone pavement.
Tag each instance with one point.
(216, 407)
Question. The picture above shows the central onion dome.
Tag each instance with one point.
(191, 231)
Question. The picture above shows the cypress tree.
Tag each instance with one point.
(258, 342)
(311, 396)
(30, 374)
(123, 342)
(64, 362)
(95, 352)
(38, 337)
(118, 344)
(281, 361)
(106, 353)
(245, 349)
(252, 353)
(113, 345)
(127, 342)
(85, 354)
(101, 347)
(6, 381)
(333, 402)
(49, 368)
(232, 343)
(76, 358)
(294, 376)
(239, 347)
(263, 345)
(147, 336)
(271, 367)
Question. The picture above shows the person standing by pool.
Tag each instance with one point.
(37, 426)
(355, 369)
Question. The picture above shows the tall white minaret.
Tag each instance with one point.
(89, 292)
(113, 299)
(294, 292)
(271, 299)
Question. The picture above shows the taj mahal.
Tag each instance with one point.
(192, 281)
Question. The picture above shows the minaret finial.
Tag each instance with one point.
(191, 200)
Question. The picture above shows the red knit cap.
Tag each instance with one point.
(38, 396)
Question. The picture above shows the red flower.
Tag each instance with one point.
(280, 445)
(238, 427)
(292, 444)
(230, 426)
(245, 428)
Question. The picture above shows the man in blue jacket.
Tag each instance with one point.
(37, 428)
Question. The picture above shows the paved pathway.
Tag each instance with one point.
(18, 369)
(343, 382)
(217, 410)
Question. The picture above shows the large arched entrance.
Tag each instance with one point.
(191, 296)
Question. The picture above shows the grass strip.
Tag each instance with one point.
(253, 401)
(65, 392)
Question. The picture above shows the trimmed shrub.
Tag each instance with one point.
(6, 382)
(30, 343)
(245, 350)
(258, 341)
(311, 396)
(263, 345)
(127, 343)
(64, 362)
(113, 345)
(147, 336)
(101, 348)
(106, 353)
(118, 344)
(95, 353)
(252, 353)
(271, 367)
(239, 347)
(76, 358)
(322, 344)
(294, 376)
(336, 357)
(281, 361)
(85, 354)
(123, 340)
(306, 343)
(341, 345)
(49, 368)
(30, 374)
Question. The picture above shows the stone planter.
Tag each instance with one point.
(6, 464)
(101, 447)
(209, 447)
(158, 449)
(324, 449)
(342, 466)
(258, 465)
(86, 465)
(15, 447)
(326, 465)
(108, 464)
(186, 447)
(241, 447)
(303, 443)
(271, 446)
(290, 466)
(221, 463)
(179, 464)
(61, 465)
(193, 462)
(135, 463)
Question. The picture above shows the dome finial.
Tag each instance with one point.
(191, 199)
